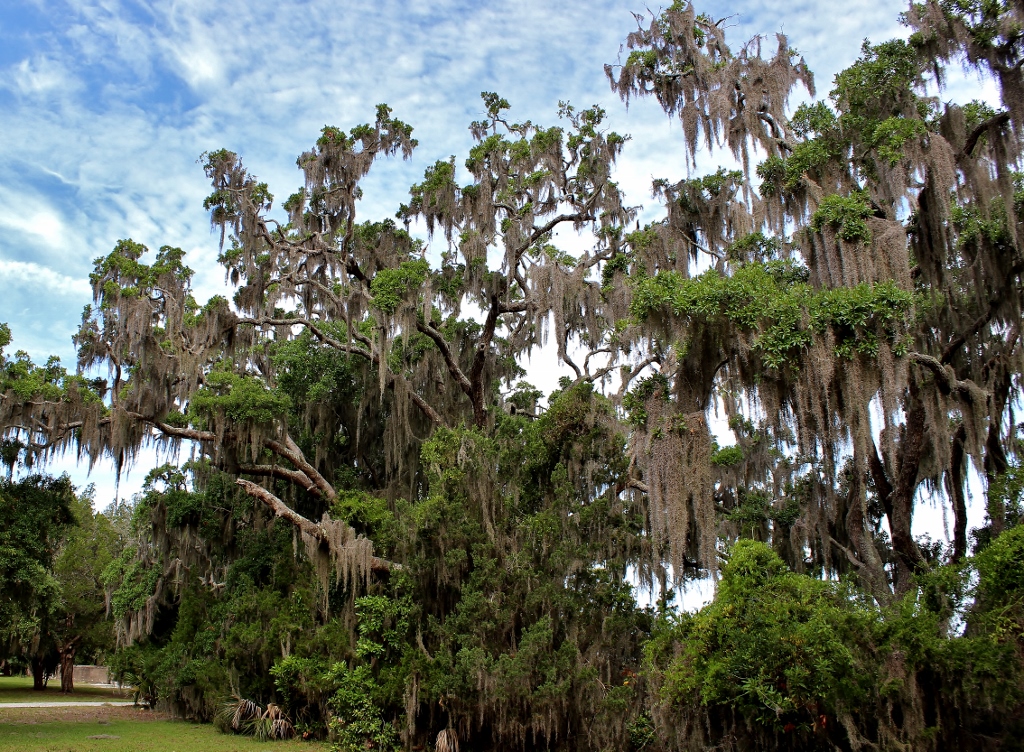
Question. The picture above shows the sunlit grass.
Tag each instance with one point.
(19, 689)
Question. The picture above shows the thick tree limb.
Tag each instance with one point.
(908, 555)
(946, 379)
(305, 525)
(449, 358)
(639, 485)
(981, 128)
(955, 482)
(275, 471)
(178, 433)
(291, 452)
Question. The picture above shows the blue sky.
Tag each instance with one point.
(106, 105)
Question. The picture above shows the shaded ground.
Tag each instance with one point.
(19, 689)
(120, 729)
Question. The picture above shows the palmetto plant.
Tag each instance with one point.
(246, 717)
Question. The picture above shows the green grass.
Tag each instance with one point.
(134, 736)
(19, 689)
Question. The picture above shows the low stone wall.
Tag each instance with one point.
(90, 675)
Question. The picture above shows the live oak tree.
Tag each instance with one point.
(850, 296)
(874, 264)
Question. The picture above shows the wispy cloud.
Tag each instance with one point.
(33, 77)
(109, 103)
(43, 279)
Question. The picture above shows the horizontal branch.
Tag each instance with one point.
(178, 433)
(307, 526)
(275, 471)
(979, 130)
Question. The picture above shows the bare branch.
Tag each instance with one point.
(275, 471)
(305, 525)
(291, 452)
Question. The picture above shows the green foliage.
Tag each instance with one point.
(28, 381)
(358, 723)
(794, 654)
(772, 644)
(775, 304)
(756, 247)
(369, 515)
(884, 73)
(845, 215)
(53, 551)
(1001, 573)
(635, 402)
(240, 398)
(123, 274)
(36, 513)
(390, 286)
(891, 135)
(135, 583)
(727, 456)
(975, 228)
(815, 119)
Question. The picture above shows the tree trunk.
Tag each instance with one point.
(956, 487)
(908, 555)
(872, 570)
(67, 667)
(38, 673)
(898, 497)
(996, 462)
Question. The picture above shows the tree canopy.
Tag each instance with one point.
(849, 297)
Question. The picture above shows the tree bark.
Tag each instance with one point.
(871, 571)
(908, 555)
(67, 669)
(956, 489)
(307, 526)
(996, 462)
(66, 652)
(38, 673)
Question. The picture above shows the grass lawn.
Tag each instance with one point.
(19, 689)
(136, 730)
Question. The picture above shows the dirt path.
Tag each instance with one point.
(87, 714)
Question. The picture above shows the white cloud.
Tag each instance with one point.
(37, 76)
(52, 282)
(34, 218)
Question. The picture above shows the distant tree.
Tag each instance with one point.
(35, 514)
(78, 624)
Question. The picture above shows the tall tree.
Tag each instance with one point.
(35, 513)
(861, 267)
(871, 261)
